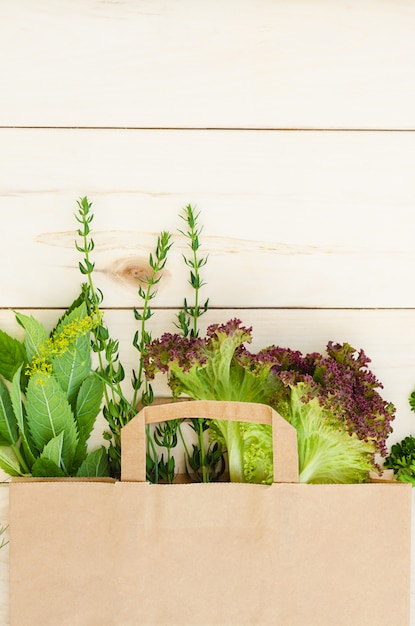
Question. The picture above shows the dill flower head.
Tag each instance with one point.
(62, 340)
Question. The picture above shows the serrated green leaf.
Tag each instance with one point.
(45, 468)
(88, 404)
(53, 450)
(48, 414)
(74, 364)
(9, 464)
(8, 425)
(18, 408)
(95, 464)
(75, 304)
(36, 334)
(12, 355)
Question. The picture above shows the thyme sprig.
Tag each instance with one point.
(206, 464)
(117, 410)
(189, 316)
(142, 337)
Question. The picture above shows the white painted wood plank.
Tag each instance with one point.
(178, 63)
(320, 219)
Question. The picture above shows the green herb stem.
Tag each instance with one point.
(157, 263)
(16, 451)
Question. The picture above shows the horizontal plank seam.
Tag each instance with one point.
(224, 308)
(214, 128)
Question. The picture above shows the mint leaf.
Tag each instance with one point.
(53, 450)
(9, 464)
(49, 414)
(73, 364)
(95, 464)
(8, 425)
(88, 405)
(75, 304)
(36, 334)
(18, 408)
(12, 354)
(44, 468)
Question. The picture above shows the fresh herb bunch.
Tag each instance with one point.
(189, 316)
(205, 462)
(401, 460)
(49, 398)
(118, 410)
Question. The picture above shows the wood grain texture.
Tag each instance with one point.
(291, 219)
(178, 63)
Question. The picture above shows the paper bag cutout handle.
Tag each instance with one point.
(133, 435)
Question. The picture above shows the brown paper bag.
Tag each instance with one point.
(131, 553)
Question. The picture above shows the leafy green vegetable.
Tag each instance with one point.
(12, 355)
(49, 414)
(71, 367)
(49, 398)
(117, 409)
(95, 464)
(327, 453)
(402, 460)
(36, 334)
(206, 369)
(332, 400)
(8, 426)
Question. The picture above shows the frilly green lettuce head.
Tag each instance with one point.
(327, 453)
(332, 401)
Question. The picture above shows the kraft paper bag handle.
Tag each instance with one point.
(133, 435)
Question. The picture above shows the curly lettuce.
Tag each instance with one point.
(326, 452)
(332, 401)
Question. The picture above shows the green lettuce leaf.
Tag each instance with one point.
(326, 452)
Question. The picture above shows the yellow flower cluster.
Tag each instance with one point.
(58, 344)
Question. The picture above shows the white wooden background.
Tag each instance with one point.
(288, 124)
